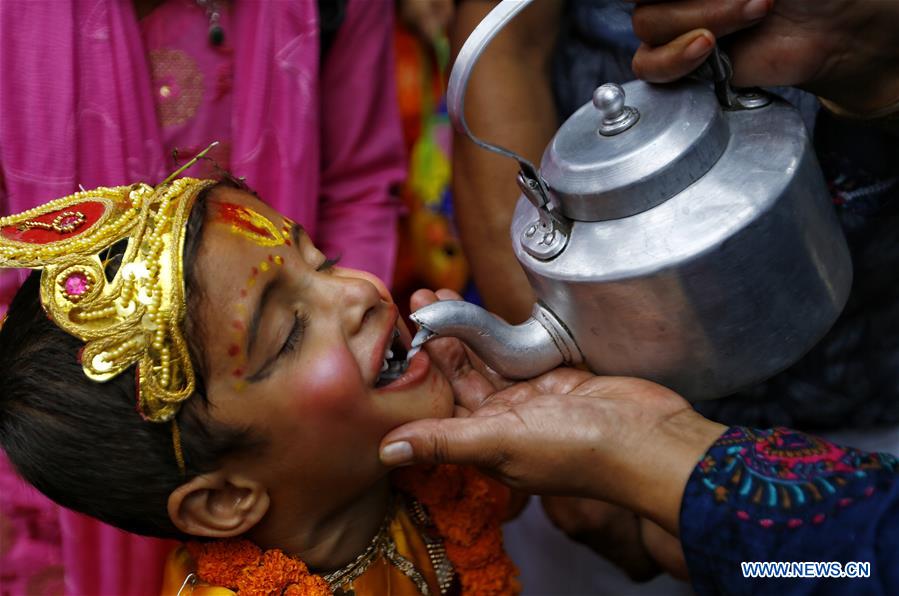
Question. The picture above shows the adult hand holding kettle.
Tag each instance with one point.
(844, 51)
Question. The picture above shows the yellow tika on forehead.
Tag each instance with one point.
(137, 316)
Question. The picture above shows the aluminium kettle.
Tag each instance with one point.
(681, 233)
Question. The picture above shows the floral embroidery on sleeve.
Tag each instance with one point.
(780, 477)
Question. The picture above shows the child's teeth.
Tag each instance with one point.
(412, 353)
(389, 353)
(384, 366)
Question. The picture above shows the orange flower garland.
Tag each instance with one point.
(241, 566)
(467, 510)
(464, 506)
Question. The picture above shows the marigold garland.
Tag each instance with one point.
(241, 566)
(462, 504)
(467, 511)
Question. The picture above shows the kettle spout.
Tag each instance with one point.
(515, 351)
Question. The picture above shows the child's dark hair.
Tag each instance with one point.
(83, 443)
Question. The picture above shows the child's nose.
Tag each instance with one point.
(374, 280)
(357, 294)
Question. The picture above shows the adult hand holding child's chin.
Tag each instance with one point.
(567, 432)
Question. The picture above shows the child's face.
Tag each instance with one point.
(294, 350)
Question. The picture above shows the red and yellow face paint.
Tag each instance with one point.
(249, 224)
(239, 329)
(287, 230)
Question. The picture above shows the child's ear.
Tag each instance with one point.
(218, 505)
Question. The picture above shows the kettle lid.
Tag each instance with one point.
(633, 147)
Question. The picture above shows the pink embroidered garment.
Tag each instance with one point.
(90, 96)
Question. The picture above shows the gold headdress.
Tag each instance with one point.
(134, 318)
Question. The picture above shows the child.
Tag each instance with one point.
(264, 378)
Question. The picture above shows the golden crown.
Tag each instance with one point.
(134, 318)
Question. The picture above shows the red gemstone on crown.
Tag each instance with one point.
(70, 221)
(77, 284)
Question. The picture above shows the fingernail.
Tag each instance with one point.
(755, 9)
(396, 454)
(698, 48)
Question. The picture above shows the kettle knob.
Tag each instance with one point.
(616, 116)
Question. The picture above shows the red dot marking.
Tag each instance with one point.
(233, 350)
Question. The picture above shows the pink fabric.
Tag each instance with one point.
(192, 81)
(29, 539)
(76, 107)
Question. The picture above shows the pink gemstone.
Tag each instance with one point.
(76, 284)
(794, 523)
(742, 515)
(766, 523)
(70, 221)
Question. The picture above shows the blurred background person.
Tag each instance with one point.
(430, 254)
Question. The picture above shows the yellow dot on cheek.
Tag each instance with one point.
(263, 266)
(278, 260)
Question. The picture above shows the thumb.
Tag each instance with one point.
(470, 441)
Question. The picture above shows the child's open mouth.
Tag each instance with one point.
(395, 363)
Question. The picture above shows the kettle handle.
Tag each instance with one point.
(553, 227)
(719, 70)
(468, 56)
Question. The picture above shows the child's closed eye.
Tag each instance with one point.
(328, 264)
(301, 321)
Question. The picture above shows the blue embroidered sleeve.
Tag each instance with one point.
(781, 495)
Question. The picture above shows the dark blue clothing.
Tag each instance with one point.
(595, 45)
(782, 495)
